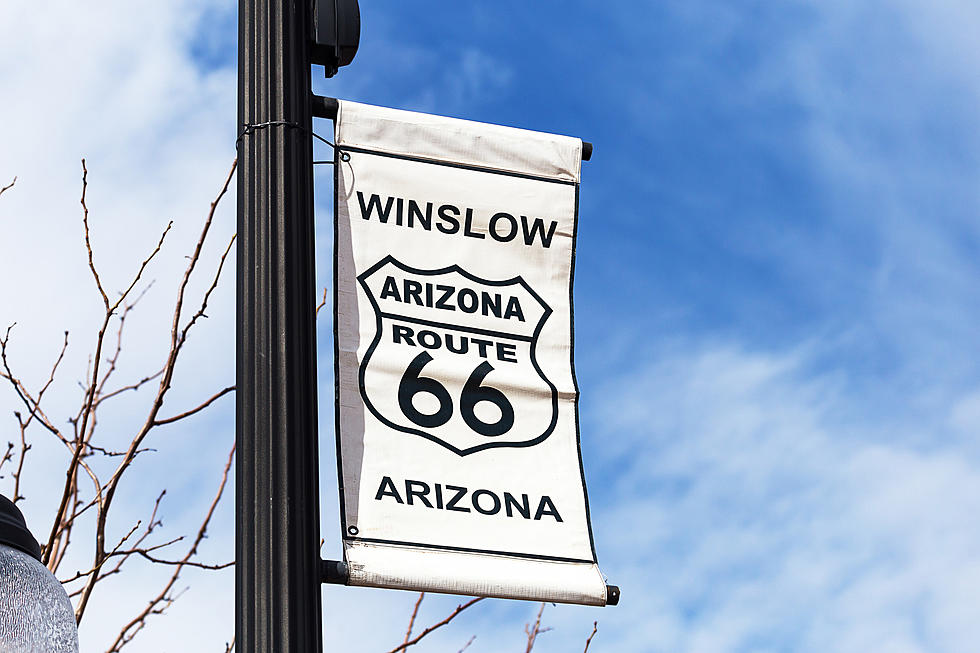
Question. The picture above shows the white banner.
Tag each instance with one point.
(457, 422)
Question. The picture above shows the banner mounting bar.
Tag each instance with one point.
(335, 572)
(326, 107)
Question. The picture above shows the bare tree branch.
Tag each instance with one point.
(595, 628)
(132, 386)
(192, 411)
(415, 613)
(87, 454)
(88, 410)
(9, 454)
(323, 302)
(452, 615)
(8, 186)
(177, 339)
(533, 632)
(164, 599)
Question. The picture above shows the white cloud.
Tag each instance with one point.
(752, 514)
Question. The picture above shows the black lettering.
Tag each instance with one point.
(438, 496)
(496, 234)
(546, 507)
(491, 303)
(390, 289)
(428, 295)
(493, 497)
(537, 227)
(425, 219)
(413, 290)
(387, 489)
(460, 493)
(417, 489)
(506, 352)
(401, 333)
(468, 231)
(398, 211)
(447, 293)
(450, 215)
(482, 344)
(375, 204)
(429, 339)
(464, 344)
(513, 309)
(473, 303)
(510, 503)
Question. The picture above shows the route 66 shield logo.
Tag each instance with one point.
(453, 358)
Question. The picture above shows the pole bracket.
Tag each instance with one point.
(334, 572)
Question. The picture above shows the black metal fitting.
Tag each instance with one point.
(336, 33)
(612, 595)
(334, 572)
(324, 107)
(13, 529)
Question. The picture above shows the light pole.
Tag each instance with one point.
(278, 567)
(35, 613)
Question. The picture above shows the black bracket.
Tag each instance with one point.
(612, 595)
(336, 33)
(334, 572)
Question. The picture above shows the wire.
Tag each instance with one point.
(251, 128)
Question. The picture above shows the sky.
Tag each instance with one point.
(777, 293)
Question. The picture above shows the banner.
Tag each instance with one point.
(457, 405)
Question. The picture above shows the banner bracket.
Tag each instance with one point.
(612, 595)
(335, 572)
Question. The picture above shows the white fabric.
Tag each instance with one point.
(460, 463)
(484, 575)
(461, 141)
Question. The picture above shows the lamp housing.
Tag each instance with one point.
(35, 613)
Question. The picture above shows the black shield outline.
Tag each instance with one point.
(518, 280)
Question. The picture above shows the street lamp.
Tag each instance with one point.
(35, 613)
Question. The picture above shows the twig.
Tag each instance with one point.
(9, 454)
(177, 339)
(24, 447)
(88, 408)
(8, 186)
(532, 633)
(198, 409)
(322, 303)
(163, 600)
(452, 615)
(595, 628)
(151, 524)
(185, 563)
(415, 610)
(467, 644)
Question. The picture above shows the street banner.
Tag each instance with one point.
(457, 406)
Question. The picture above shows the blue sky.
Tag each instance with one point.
(776, 302)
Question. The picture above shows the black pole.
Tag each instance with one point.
(277, 575)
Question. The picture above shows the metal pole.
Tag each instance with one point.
(277, 575)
